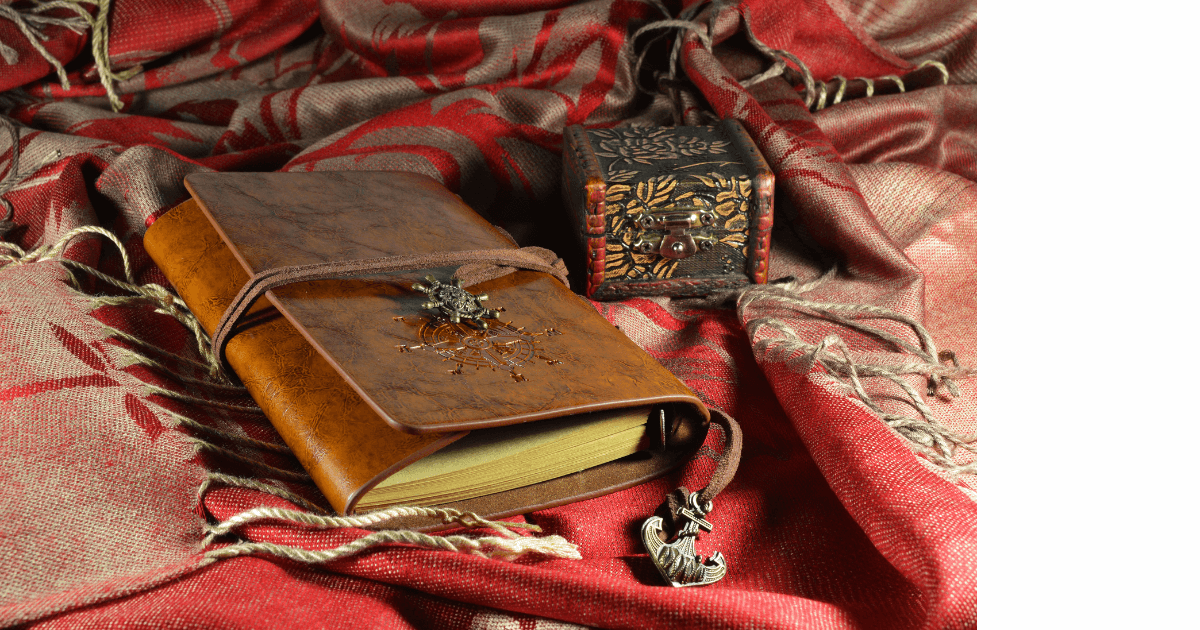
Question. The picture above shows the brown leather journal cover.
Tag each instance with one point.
(323, 358)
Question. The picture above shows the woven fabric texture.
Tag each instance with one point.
(854, 505)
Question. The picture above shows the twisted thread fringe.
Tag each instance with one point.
(165, 301)
(167, 304)
(127, 358)
(225, 435)
(507, 545)
(254, 484)
(816, 92)
(148, 347)
(14, 174)
(494, 547)
(154, 390)
(685, 22)
(368, 520)
(928, 436)
(32, 23)
(266, 469)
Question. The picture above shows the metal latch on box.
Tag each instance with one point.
(670, 233)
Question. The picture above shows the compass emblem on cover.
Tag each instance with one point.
(455, 302)
(460, 334)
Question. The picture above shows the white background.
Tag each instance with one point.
(1088, 326)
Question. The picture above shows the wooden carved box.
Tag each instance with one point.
(670, 211)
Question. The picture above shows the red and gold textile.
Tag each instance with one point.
(842, 513)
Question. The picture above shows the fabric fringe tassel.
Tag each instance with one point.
(12, 255)
(127, 358)
(255, 484)
(32, 22)
(495, 547)
(927, 435)
(240, 440)
(264, 468)
(12, 176)
(507, 545)
(816, 92)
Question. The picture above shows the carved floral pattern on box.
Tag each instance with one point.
(728, 197)
(643, 144)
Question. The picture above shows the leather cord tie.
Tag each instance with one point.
(476, 266)
(726, 467)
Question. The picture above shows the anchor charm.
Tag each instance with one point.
(677, 561)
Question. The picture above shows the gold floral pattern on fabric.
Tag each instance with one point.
(728, 197)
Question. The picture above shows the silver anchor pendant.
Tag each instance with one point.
(677, 561)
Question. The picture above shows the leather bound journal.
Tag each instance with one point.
(363, 378)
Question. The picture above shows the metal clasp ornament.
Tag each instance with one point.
(677, 561)
(673, 233)
(455, 302)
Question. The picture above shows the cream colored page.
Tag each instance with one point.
(487, 446)
(511, 475)
(535, 465)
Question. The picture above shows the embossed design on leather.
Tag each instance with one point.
(283, 219)
(335, 435)
(499, 346)
(341, 439)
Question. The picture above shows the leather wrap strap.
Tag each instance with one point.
(476, 266)
(732, 455)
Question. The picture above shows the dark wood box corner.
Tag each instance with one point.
(674, 211)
